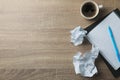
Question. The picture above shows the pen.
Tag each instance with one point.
(113, 42)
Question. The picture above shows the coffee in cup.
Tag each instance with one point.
(89, 9)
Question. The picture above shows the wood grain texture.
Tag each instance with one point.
(35, 39)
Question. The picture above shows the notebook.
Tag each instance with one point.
(116, 12)
(99, 36)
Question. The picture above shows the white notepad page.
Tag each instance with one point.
(99, 36)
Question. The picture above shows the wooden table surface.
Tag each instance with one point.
(35, 39)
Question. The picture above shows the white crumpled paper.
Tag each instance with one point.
(84, 63)
(77, 35)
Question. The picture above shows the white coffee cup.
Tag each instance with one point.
(90, 9)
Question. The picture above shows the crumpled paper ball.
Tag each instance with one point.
(77, 35)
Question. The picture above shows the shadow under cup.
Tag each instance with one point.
(89, 10)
